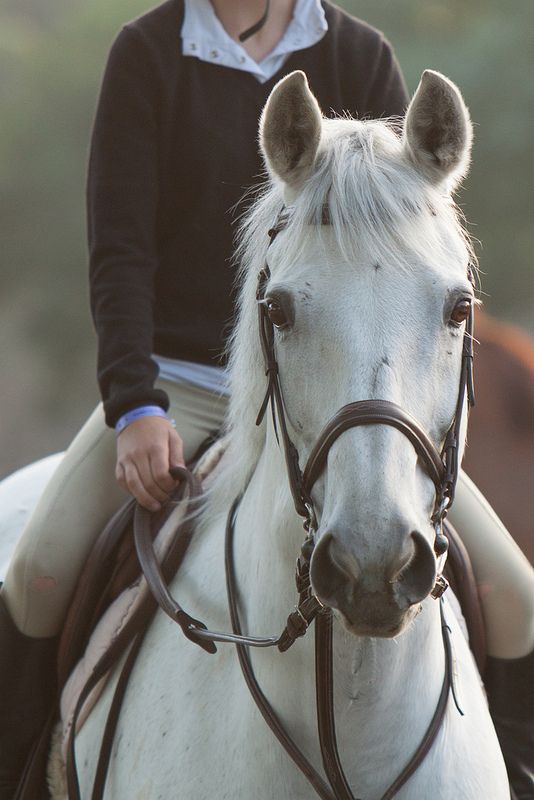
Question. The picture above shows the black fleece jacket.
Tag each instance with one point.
(173, 150)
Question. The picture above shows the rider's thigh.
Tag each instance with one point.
(504, 575)
(76, 504)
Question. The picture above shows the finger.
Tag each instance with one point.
(159, 467)
(135, 486)
(145, 473)
(176, 449)
(120, 476)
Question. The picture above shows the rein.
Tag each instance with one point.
(308, 608)
(338, 788)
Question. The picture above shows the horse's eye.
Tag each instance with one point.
(461, 311)
(276, 313)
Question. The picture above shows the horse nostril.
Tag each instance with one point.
(414, 579)
(328, 573)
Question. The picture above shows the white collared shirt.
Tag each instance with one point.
(204, 37)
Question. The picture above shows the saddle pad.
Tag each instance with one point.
(120, 612)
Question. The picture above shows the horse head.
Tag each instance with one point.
(368, 304)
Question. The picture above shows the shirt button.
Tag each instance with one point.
(242, 60)
(192, 46)
(214, 54)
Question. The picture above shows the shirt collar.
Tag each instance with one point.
(204, 37)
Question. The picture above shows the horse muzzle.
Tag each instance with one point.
(373, 599)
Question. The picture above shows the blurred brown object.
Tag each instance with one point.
(500, 452)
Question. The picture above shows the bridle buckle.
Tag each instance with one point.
(441, 543)
(441, 586)
(310, 523)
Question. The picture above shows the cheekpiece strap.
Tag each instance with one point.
(281, 223)
(273, 394)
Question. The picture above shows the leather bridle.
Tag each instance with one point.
(442, 467)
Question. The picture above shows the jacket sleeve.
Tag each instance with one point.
(122, 200)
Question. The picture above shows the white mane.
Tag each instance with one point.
(377, 203)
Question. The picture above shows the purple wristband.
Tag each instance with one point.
(138, 413)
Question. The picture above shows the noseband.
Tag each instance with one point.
(442, 467)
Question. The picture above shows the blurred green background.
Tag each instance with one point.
(52, 53)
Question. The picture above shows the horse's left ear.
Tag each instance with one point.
(438, 133)
(290, 130)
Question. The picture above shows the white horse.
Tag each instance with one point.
(368, 306)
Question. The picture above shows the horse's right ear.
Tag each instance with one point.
(438, 133)
(290, 130)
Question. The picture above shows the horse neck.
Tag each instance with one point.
(386, 693)
(388, 673)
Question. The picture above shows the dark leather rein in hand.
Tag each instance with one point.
(442, 468)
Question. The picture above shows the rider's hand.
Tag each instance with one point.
(146, 450)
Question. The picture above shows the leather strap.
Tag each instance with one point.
(459, 572)
(92, 590)
(443, 468)
(372, 412)
(265, 708)
(436, 721)
(257, 25)
(325, 712)
(153, 572)
(273, 394)
(126, 638)
(106, 746)
(106, 663)
(339, 788)
(324, 687)
(296, 625)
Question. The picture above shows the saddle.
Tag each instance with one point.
(112, 567)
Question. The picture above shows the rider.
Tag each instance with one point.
(168, 162)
